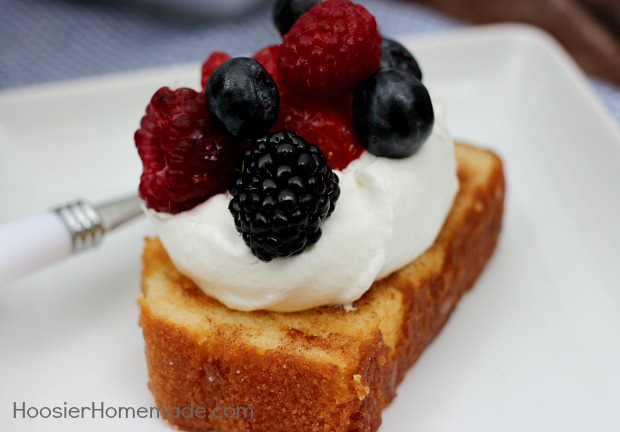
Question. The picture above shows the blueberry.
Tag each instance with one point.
(393, 113)
(243, 97)
(287, 12)
(396, 56)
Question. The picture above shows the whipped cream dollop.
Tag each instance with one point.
(389, 212)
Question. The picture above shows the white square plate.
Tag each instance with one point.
(535, 346)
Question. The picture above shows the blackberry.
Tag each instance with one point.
(282, 193)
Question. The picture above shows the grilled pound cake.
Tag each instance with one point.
(324, 369)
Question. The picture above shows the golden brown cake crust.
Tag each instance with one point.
(324, 369)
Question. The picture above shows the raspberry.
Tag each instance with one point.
(281, 195)
(330, 49)
(325, 123)
(268, 58)
(215, 59)
(185, 158)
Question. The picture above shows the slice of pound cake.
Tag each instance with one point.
(316, 226)
(328, 368)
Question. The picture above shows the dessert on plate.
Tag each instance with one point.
(316, 227)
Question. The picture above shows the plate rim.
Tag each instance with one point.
(526, 33)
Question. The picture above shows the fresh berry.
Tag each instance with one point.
(396, 56)
(326, 123)
(287, 12)
(393, 113)
(243, 97)
(281, 195)
(268, 58)
(213, 62)
(330, 49)
(185, 158)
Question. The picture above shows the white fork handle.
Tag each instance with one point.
(31, 243)
(37, 241)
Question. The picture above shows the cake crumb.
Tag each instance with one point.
(361, 389)
(349, 307)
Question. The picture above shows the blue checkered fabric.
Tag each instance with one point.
(51, 40)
